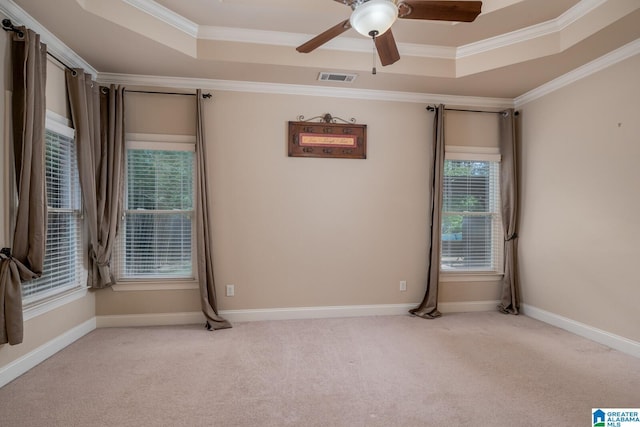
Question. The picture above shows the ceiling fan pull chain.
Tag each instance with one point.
(373, 39)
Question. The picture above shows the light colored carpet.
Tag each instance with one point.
(473, 369)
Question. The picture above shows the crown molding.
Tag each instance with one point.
(577, 12)
(508, 39)
(306, 90)
(54, 44)
(69, 57)
(627, 51)
(553, 26)
(246, 35)
(426, 51)
(166, 15)
(349, 44)
(278, 38)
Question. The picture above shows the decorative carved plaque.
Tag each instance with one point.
(337, 140)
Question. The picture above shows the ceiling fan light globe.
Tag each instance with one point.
(375, 16)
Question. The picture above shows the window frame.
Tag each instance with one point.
(481, 154)
(159, 142)
(47, 300)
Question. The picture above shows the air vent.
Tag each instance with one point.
(336, 77)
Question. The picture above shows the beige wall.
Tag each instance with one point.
(291, 232)
(317, 232)
(463, 128)
(57, 90)
(580, 176)
(46, 327)
(298, 232)
(158, 113)
(42, 329)
(110, 302)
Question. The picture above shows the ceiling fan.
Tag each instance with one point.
(374, 18)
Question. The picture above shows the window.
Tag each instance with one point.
(156, 239)
(471, 222)
(63, 268)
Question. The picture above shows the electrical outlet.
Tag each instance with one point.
(403, 285)
(231, 290)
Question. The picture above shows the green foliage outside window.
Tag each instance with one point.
(474, 178)
(159, 209)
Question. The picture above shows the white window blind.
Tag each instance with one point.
(63, 256)
(156, 238)
(471, 222)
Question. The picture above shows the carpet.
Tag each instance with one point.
(465, 369)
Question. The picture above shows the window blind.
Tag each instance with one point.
(157, 238)
(471, 221)
(63, 255)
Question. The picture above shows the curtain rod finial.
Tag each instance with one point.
(7, 25)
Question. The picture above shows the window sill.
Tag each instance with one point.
(130, 286)
(469, 277)
(39, 308)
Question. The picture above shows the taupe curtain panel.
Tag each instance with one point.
(98, 119)
(428, 309)
(510, 298)
(24, 261)
(208, 298)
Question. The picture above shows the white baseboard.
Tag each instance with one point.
(348, 311)
(616, 342)
(21, 365)
(150, 319)
(289, 313)
(468, 306)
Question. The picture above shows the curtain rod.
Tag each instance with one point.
(74, 72)
(7, 25)
(204, 95)
(433, 108)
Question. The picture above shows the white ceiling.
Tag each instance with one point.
(513, 47)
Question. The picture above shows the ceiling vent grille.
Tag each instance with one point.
(336, 77)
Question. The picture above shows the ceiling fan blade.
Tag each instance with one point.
(387, 48)
(461, 11)
(322, 38)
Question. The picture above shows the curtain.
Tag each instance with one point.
(510, 299)
(25, 261)
(98, 119)
(208, 298)
(428, 309)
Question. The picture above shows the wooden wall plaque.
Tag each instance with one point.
(337, 140)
